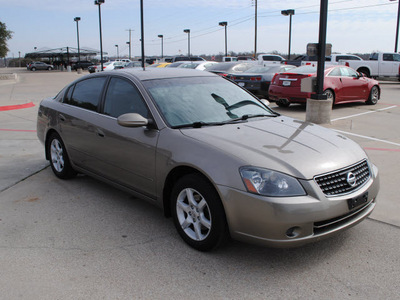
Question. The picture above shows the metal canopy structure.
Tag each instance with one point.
(62, 53)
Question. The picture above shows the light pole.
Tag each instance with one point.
(77, 19)
(99, 3)
(116, 46)
(129, 44)
(397, 27)
(162, 45)
(290, 13)
(225, 24)
(188, 32)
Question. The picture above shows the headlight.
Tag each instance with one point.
(270, 183)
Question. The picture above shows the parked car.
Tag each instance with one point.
(229, 58)
(177, 64)
(270, 59)
(341, 84)
(39, 65)
(160, 65)
(198, 65)
(83, 64)
(257, 79)
(297, 61)
(94, 68)
(334, 59)
(132, 64)
(183, 58)
(225, 68)
(210, 154)
(379, 65)
(111, 65)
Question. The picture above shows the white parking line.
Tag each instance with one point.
(364, 113)
(367, 137)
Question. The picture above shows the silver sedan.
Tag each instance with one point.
(211, 155)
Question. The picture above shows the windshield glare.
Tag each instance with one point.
(202, 99)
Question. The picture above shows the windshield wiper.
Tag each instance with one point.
(245, 117)
(198, 124)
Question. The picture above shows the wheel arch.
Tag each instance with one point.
(48, 134)
(173, 176)
(364, 69)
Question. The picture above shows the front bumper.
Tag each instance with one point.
(294, 221)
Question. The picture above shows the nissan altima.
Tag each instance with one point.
(212, 156)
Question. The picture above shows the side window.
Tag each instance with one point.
(387, 57)
(86, 93)
(396, 57)
(335, 72)
(122, 97)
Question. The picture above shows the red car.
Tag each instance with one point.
(341, 84)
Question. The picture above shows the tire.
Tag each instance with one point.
(330, 95)
(59, 160)
(33, 69)
(198, 213)
(49, 68)
(373, 96)
(283, 103)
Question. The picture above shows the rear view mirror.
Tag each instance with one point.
(132, 120)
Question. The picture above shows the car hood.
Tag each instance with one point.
(294, 147)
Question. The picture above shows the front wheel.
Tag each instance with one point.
(59, 160)
(198, 213)
(373, 96)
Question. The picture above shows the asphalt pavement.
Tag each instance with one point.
(81, 239)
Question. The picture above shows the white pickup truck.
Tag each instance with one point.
(380, 64)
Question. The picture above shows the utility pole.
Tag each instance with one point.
(130, 41)
(255, 29)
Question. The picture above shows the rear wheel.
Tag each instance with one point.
(283, 103)
(373, 96)
(59, 160)
(330, 95)
(198, 213)
(33, 69)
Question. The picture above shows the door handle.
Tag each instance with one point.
(100, 133)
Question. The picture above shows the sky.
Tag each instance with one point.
(354, 26)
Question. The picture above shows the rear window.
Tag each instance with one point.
(304, 70)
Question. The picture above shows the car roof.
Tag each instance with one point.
(159, 73)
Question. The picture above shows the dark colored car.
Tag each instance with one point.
(341, 84)
(82, 65)
(183, 58)
(225, 68)
(38, 65)
(257, 79)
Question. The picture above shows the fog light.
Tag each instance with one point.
(293, 232)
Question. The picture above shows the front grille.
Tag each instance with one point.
(338, 183)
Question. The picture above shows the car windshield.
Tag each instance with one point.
(203, 100)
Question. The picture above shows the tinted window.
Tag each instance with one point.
(86, 93)
(347, 72)
(387, 57)
(396, 57)
(122, 97)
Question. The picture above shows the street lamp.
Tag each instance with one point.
(162, 45)
(225, 24)
(99, 3)
(77, 19)
(129, 44)
(188, 32)
(397, 27)
(290, 13)
(117, 51)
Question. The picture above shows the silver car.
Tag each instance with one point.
(211, 155)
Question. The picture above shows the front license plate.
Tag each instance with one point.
(286, 83)
(242, 84)
(360, 200)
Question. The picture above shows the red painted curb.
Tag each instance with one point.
(18, 106)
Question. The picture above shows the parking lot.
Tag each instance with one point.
(81, 239)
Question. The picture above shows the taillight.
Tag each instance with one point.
(255, 78)
(233, 77)
(273, 78)
(347, 64)
(223, 74)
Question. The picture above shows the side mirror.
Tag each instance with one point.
(132, 120)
